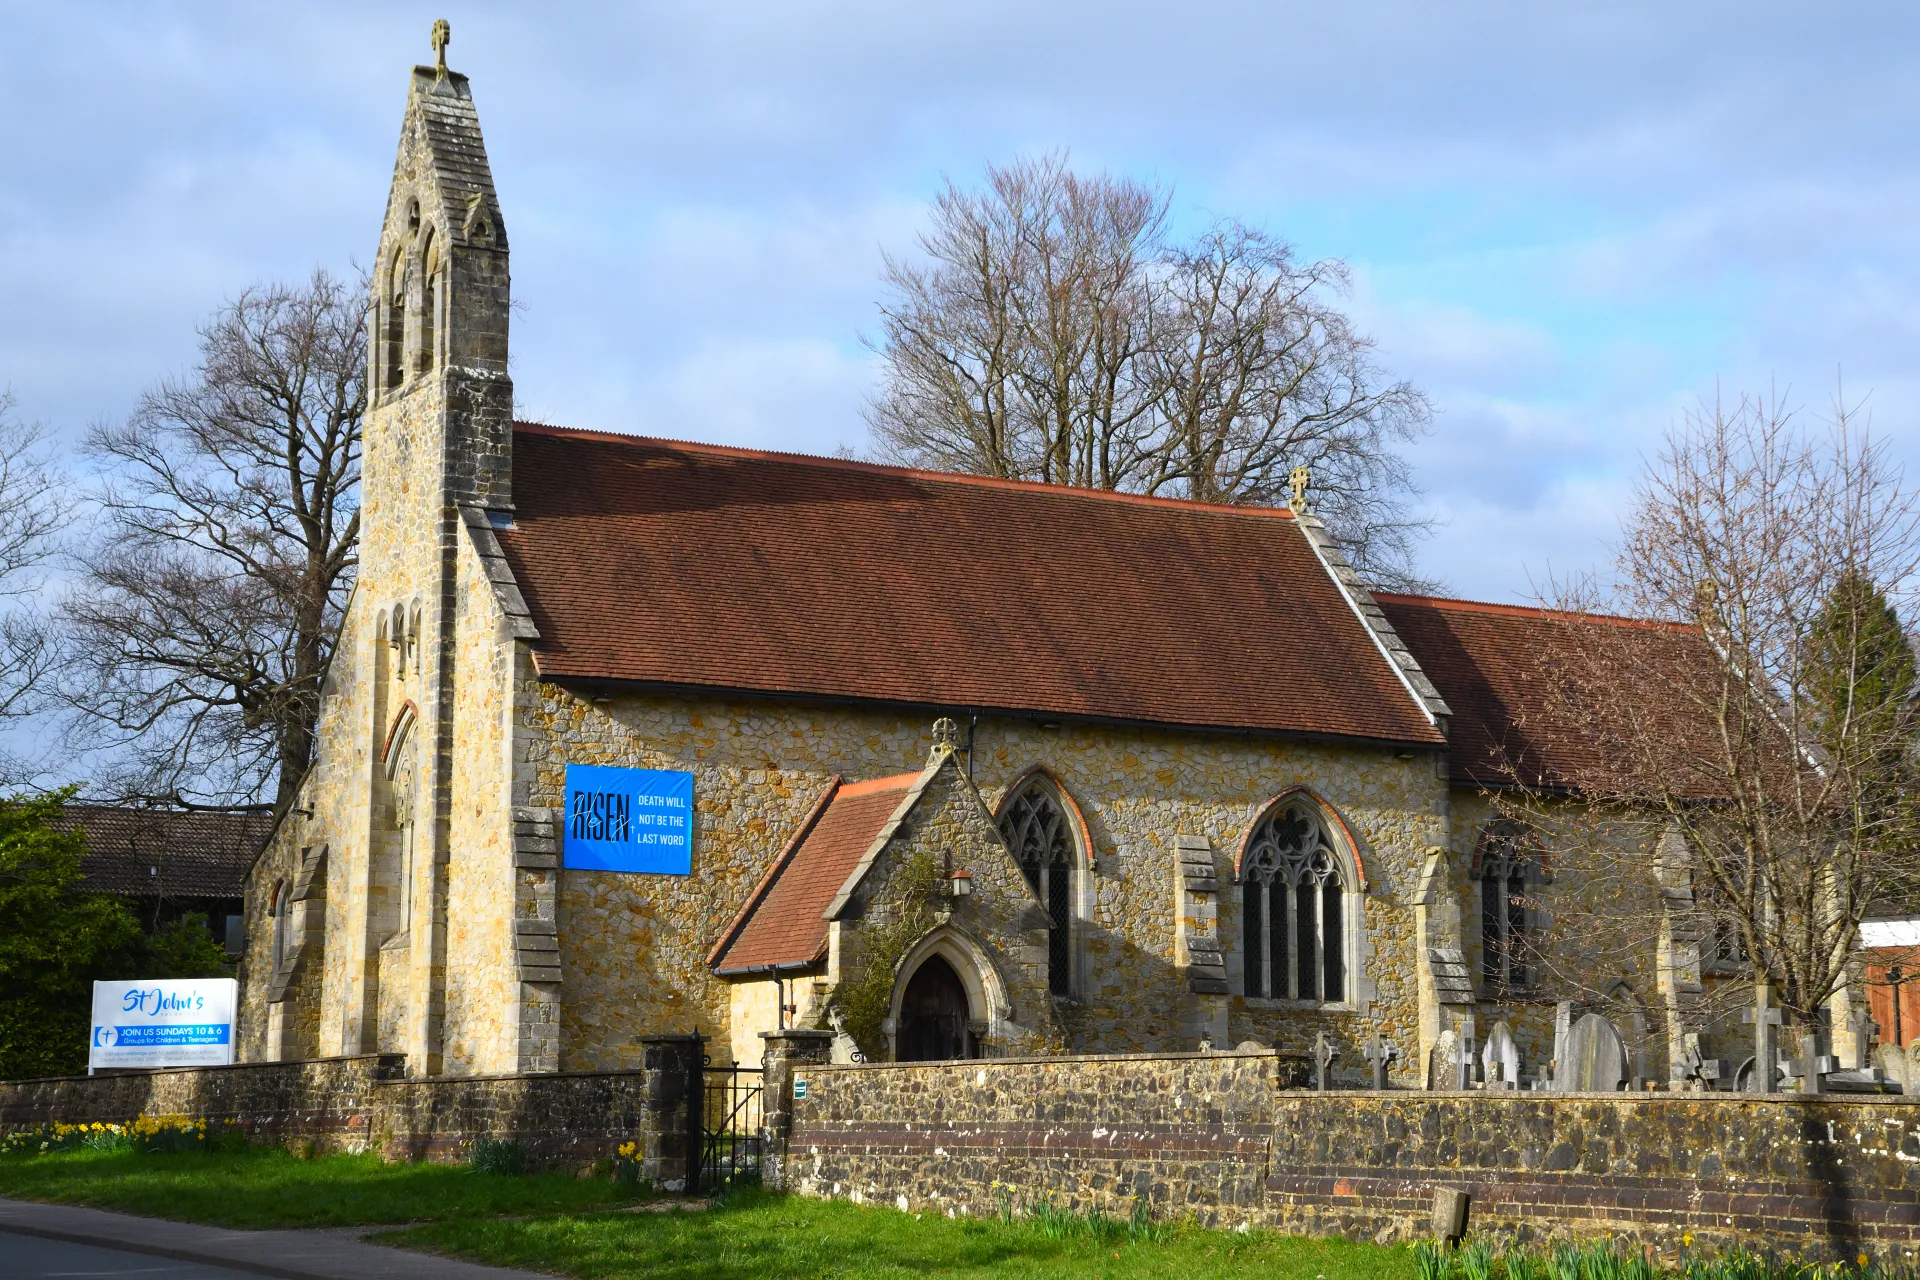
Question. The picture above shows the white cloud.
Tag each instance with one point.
(1566, 221)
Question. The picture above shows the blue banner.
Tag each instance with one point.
(637, 820)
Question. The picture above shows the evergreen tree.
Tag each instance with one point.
(1860, 675)
(56, 940)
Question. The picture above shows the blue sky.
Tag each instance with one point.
(1565, 222)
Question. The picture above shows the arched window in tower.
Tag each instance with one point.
(278, 910)
(1509, 867)
(430, 280)
(393, 323)
(402, 776)
(1293, 908)
(1035, 826)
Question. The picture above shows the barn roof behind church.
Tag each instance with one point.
(701, 567)
(166, 853)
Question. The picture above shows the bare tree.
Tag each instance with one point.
(1763, 737)
(1056, 333)
(34, 508)
(216, 582)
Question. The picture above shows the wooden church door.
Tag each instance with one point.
(934, 1016)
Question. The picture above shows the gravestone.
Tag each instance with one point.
(1565, 1014)
(1465, 1060)
(1698, 1072)
(1324, 1054)
(1813, 1064)
(845, 1049)
(1500, 1060)
(1596, 1058)
(1867, 1077)
(1379, 1055)
(1765, 1019)
(1866, 1034)
(1440, 1067)
(1892, 1061)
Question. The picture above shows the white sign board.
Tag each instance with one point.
(163, 1022)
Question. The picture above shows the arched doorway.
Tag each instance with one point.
(934, 1016)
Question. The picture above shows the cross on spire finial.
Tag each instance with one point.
(442, 37)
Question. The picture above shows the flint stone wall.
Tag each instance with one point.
(367, 1104)
(1219, 1138)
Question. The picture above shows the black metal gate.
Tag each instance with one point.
(731, 1144)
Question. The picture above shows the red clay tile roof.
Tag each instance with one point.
(686, 565)
(783, 922)
(1487, 661)
(151, 853)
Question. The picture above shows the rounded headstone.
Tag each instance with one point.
(1596, 1057)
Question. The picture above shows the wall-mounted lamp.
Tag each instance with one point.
(962, 883)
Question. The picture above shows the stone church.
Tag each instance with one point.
(626, 736)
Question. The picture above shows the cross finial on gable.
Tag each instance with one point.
(1300, 481)
(442, 36)
(946, 733)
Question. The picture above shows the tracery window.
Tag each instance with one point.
(1035, 826)
(1293, 909)
(1509, 869)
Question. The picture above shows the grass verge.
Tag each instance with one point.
(754, 1235)
(268, 1187)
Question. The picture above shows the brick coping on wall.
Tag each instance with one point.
(150, 1072)
(1242, 1055)
(123, 1072)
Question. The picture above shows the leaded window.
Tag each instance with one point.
(1293, 909)
(1035, 827)
(1508, 870)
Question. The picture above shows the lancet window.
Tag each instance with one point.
(1293, 909)
(278, 910)
(1036, 828)
(1509, 869)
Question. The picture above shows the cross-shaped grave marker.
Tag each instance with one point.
(1815, 1062)
(1379, 1054)
(1765, 1020)
(1324, 1052)
(1866, 1037)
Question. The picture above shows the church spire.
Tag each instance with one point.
(441, 287)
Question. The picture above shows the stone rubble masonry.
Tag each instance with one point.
(633, 948)
(1218, 1138)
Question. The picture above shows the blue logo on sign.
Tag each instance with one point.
(172, 1033)
(629, 820)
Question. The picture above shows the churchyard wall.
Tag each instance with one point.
(1218, 1138)
(634, 947)
(366, 1103)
